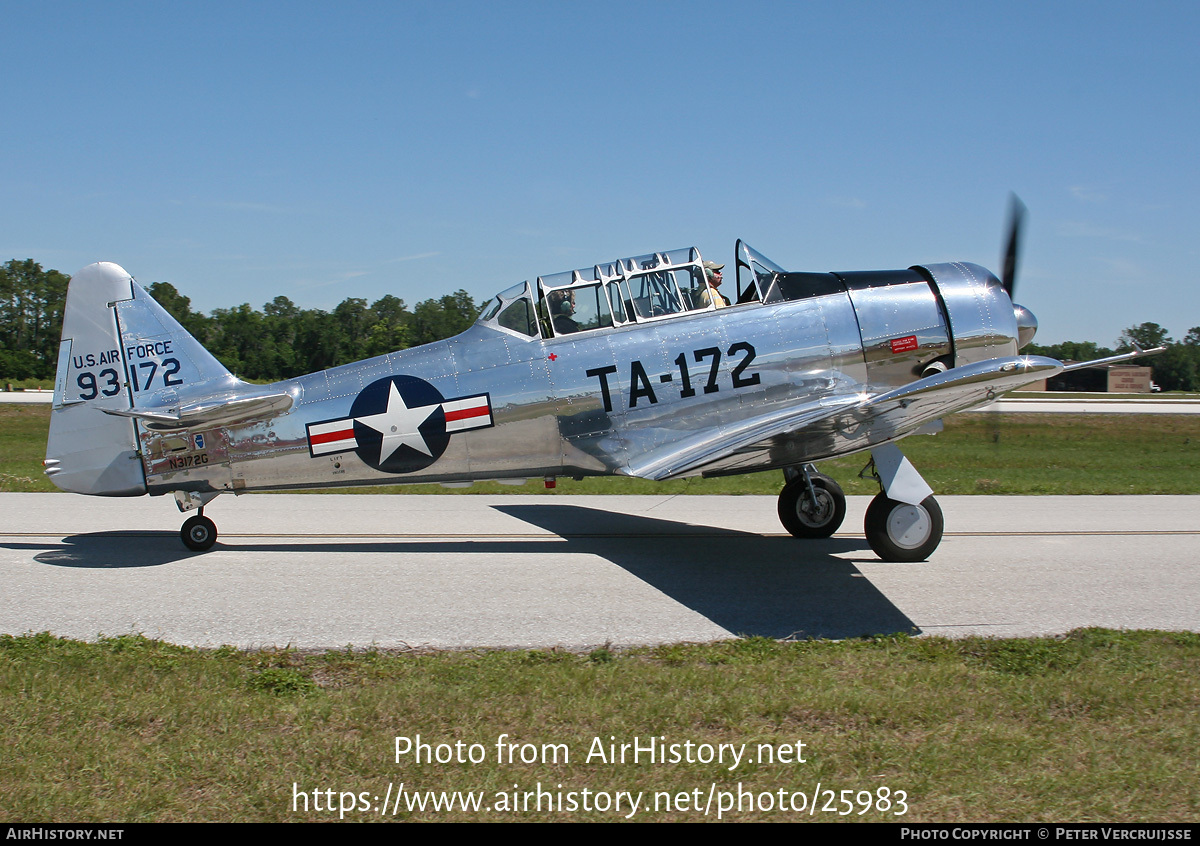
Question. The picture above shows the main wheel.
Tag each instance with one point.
(898, 531)
(198, 533)
(801, 517)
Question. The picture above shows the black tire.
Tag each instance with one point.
(796, 510)
(898, 531)
(198, 533)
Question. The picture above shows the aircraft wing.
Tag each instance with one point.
(1112, 359)
(841, 423)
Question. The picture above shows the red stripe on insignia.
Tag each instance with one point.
(464, 413)
(331, 436)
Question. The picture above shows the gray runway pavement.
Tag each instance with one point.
(27, 397)
(327, 571)
(1035, 405)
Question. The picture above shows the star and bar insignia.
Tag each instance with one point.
(399, 424)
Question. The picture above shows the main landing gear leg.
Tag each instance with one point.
(811, 505)
(904, 521)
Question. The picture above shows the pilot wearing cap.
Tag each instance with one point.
(712, 293)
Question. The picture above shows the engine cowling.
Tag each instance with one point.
(984, 323)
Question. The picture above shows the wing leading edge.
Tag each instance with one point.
(841, 424)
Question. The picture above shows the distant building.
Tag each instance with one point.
(1113, 378)
(1129, 380)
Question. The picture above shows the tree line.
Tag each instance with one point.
(283, 340)
(31, 313)
(279, 341)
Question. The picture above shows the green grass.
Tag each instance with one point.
(23, 430)
(1095, 726)
(976, 454)
(27, 384)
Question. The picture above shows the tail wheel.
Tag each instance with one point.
(805, 519)
(198, 533)
(898, 531)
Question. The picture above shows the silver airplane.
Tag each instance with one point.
(638, 367)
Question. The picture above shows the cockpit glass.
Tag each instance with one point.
(655, 294)
(591, 308)
(757, 275)
(605, 295)
(511, 309)
(682, 256)
(693, 287)
(490, 311)
(617, 297)
(518, 317)
(578, 309)
(512, 293)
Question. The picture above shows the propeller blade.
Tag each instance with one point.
(1016, 219)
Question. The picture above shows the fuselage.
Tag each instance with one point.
(600, 401)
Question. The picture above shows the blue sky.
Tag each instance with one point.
(318, 150)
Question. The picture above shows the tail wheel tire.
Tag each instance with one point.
(804, 519)
(898, 531)
(198, 533)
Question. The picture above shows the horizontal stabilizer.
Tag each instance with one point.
(210, 411)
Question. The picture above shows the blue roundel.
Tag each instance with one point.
(399, 424)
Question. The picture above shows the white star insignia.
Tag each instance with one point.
(399, 425)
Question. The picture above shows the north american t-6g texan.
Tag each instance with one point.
(637, 367)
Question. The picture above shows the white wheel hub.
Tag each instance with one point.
(909, 526)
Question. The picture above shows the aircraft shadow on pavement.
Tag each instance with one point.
(108, 550)
(746, 583)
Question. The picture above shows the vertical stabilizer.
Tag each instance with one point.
(119, 350)
(89, 451)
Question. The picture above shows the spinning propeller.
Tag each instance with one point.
(1016, 219)
(1026, 322)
